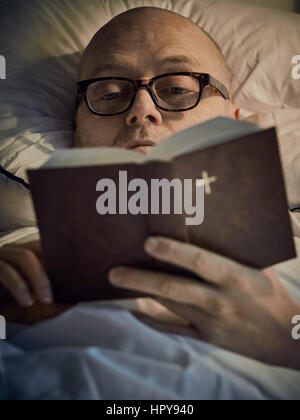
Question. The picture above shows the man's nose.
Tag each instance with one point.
(143, 111)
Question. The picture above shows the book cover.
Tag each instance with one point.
(245, 214)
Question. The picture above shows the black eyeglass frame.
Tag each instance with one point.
(203, 79)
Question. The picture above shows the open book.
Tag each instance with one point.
(218, 185)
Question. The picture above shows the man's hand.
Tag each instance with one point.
(23, 274)
(241, 309)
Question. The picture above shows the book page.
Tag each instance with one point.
(202, 136)
(69, 158)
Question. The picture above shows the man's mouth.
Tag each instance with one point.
(142, 146)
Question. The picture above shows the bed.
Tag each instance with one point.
(107, 355)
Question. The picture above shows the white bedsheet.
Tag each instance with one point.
(100, 351)
(97, 352)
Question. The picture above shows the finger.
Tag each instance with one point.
(13, 282)
(29, 266)
(206, 325)
(164, 326)
(212, 267)
(178, 289)
(36, 247)
(190, 312)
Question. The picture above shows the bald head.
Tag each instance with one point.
(142, 44)
(153, 30)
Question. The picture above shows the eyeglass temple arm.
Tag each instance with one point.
(219, 86)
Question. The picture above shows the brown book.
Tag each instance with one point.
(245, 205)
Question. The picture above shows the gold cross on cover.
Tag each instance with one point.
(207, 181)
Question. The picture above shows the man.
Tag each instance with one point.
(241, 309)
(142, 44)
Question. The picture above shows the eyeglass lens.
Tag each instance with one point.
(173, 93)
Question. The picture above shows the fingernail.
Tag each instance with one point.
(47, 297)
(152, 244)
(115, 276)
(27, 300)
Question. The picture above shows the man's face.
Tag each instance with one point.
(140, 48)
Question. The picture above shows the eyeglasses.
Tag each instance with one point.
(172, 92)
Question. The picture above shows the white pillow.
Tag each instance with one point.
(42, 42)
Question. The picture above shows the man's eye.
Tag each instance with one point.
(111, 96)
(173, 91)
(178, 90)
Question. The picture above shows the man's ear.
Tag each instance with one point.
(233, 110)
(237, 112)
